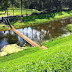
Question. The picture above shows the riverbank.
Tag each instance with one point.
(36, 19)
(56, 58)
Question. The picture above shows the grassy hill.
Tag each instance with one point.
(57, 58)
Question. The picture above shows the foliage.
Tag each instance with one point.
(69, 27)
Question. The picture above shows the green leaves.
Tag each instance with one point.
(69, 27)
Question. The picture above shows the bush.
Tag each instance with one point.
(69, 27)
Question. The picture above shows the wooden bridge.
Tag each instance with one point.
(23, 36)
(10, 17)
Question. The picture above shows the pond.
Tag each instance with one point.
(37, 33)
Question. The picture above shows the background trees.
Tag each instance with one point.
(48, 5)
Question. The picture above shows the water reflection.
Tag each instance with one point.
(37, 33)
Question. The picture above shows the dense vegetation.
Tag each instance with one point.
(57, 58)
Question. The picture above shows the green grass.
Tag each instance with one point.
(17, 12)
(57, 58)
(69, 27)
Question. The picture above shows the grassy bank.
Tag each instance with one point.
(38, 19)
(57, 58)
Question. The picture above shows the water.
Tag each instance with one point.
(37, 33)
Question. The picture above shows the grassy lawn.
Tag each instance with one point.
(57, 58)
(37, 19)
(17, 12)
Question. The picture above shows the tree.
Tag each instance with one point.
(4, 5)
